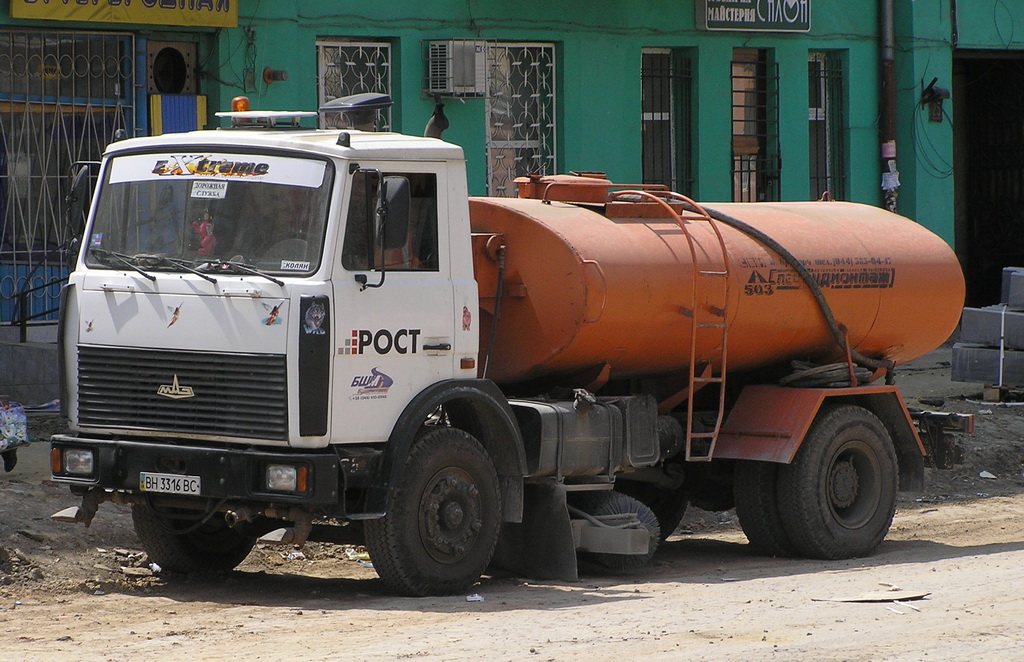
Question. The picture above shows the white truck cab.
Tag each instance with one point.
(215, 273)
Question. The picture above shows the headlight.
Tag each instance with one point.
(286, 478)
(78, 461)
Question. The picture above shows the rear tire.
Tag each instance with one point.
(757, 508)
(443, 518)
(838, 497)
(214, 546)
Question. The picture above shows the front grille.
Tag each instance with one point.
(235, 395)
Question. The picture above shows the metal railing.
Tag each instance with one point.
(20, 319)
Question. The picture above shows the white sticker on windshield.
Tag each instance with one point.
(213, 166)
(218, 190)
(294, 265)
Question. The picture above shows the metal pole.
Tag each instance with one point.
(887, 38)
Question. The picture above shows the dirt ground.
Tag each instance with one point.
(67, 592)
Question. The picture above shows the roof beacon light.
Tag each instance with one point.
(240, 104)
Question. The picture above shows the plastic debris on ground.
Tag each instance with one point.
(891, 593)
(354, 554)
(986, 474)
(52, 405)
(476, 597)
(13, 426)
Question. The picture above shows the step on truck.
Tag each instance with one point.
(276, 333)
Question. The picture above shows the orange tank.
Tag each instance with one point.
(609, 289)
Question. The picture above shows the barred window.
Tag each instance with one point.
(826, 124)
(756, 164)
(354, 67)
(666, 82)
(520, 114)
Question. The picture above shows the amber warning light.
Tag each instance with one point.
(240, 104)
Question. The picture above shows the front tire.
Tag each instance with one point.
(213, 546)
(838, 497)
(443, 518)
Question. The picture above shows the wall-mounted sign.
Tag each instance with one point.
(192, 13)
(754, 15)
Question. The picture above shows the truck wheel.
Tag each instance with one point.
(212, 546)
(610, 502)
(838, 497)
(443, 518)
(754, 488)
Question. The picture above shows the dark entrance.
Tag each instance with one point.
(988, 144)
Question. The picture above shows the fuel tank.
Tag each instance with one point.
(615, 289)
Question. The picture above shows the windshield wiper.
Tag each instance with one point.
(123, 259)
(175, 262)
(244, 268)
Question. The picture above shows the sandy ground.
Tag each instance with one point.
(71, 593)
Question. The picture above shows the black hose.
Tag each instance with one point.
(838, 331)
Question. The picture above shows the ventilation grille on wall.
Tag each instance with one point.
(457, 68)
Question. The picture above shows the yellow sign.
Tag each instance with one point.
(192, 13)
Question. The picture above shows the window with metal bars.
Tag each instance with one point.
(666, 81)
(354, 67)
(520, 111)
(63, 95)
(826, 124)
(756, 160)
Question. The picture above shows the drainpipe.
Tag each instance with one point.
(887, 39)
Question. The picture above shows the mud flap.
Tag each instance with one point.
(542, 546)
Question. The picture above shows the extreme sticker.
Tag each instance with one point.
(215, 167)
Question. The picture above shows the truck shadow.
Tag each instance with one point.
(707, 560)
(678, 561)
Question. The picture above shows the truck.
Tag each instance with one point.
(278, 333)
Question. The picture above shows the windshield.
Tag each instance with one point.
(264, 211)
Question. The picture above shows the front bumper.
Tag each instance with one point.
(236, 474)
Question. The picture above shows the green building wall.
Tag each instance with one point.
(598, 60)
(599, 48)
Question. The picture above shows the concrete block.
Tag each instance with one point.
(983, 326)
(983, 365)
(1014, 297)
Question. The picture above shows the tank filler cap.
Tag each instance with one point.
(585, 187)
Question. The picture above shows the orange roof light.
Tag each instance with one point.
(240, 104)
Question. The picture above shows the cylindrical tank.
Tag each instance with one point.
(611, 288)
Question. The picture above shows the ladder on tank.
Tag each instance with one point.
(710, 320)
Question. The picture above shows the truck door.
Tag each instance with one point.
(395, 321)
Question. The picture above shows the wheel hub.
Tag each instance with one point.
(844, 484)
(450, 515)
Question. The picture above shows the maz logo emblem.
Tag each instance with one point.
(173, 390)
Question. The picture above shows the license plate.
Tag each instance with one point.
(169, 483)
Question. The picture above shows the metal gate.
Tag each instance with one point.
(62, 97)
(520, 114)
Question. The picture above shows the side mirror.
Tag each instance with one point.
(389, 226)
(395, 198)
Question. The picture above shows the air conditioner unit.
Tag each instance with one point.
(457, 68)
